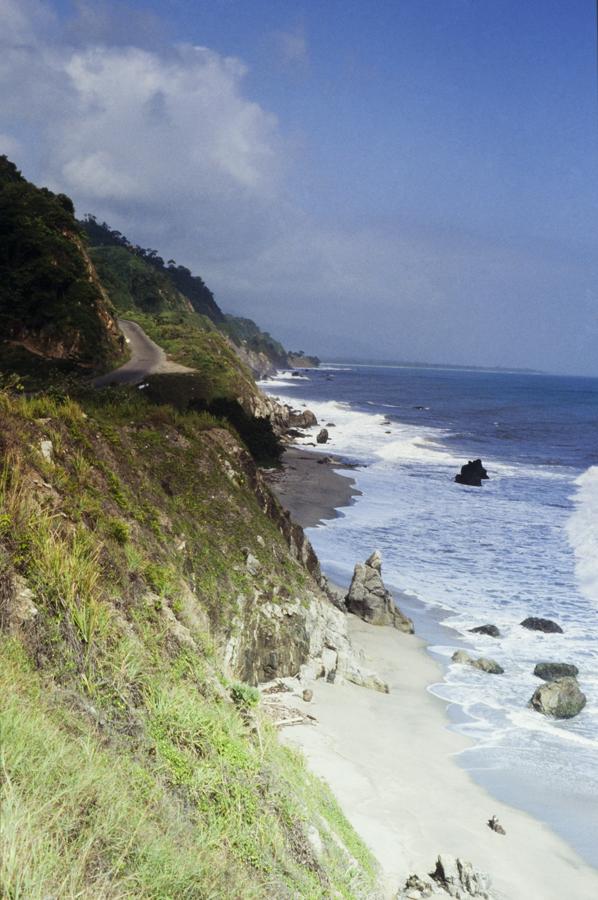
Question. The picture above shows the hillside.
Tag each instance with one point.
(52, 305)
(138, 279)
(147, 576)
(148, 581)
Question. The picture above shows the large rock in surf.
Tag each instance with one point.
(322, 437)
(561, 699)
(550, 671)
(482, 663)
(369, 599)
(472, 474)
(546, 625)
(490, 630)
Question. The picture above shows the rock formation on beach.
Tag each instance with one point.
(472, 474)
(482, 663)
(452, 876)
(561, 698)
(369, 599)
(322, 437)
(550, 671)
(533, 623)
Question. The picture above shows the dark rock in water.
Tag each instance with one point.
(322, 437)
(296, 375)
(546, 625)
(550, 671)
(490, 630)
(484, 664)
(472, 474)
(495, 825)
(307, 695)
(561, 699)
(330, 425)
(369, 599)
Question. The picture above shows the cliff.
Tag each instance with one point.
(149, 580)
(147, 577)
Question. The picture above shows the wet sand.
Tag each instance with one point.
(311, 486)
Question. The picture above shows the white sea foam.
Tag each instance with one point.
(582, 531)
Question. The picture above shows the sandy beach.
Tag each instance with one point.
(310, 486)
(391, 758)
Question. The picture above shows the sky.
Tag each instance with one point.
(368, 179)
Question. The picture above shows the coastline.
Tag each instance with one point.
(393, 763)
(311, 486)
(390, 760)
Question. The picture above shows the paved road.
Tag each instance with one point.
(147, 358)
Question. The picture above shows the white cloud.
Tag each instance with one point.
(162, 139)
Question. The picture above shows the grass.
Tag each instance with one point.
(131, 767)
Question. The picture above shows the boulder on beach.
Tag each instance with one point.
(546, 625)
(561, 699)
(472, 474)
(322, 436)
(482, 663)
(452, 877)
(369, 599)
(550, 671)
(490, 630)
(304, 419)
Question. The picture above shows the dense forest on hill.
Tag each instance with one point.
(51, 303)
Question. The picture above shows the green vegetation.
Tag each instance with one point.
(139, 280)
(129, 770)
(49, 304)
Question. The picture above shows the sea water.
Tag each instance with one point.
(523, 544)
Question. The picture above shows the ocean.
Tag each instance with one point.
(525, 543)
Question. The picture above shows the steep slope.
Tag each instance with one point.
(52, 304)
(144, 566)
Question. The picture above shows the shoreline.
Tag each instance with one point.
(311, 486)
(393, 760)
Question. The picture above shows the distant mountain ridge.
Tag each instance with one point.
(139, 278)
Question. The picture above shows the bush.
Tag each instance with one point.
(244, 695)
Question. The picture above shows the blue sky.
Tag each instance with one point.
(415, 179)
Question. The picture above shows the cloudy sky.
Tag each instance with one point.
(388, 179)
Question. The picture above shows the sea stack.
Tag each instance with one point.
(472, 474)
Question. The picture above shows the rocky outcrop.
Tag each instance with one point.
(322, 437)
(561, 699)
(490, 630)
(533, 623)
(451, 877)
(304, 638)
(369, 599)
(482, 663)
(281, 415)
(550, 671)
(472, 474)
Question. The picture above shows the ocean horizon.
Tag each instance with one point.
(456, 557)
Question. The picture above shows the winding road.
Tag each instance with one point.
(147, 358)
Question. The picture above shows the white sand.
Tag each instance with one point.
(390, 761)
